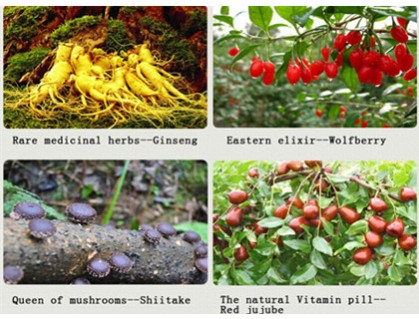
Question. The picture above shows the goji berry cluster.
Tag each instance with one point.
(308, 72)
(265, 69)
(369, 63)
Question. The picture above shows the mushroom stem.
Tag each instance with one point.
(66, 254)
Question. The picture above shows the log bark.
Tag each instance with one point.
(63, 257)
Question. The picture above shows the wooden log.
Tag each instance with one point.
(64, 256)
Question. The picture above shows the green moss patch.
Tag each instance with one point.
(73, 27)
(24, 62)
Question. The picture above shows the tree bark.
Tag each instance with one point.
(64, 256)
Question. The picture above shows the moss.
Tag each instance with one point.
(170, 43)
(197, 22)
(35, 12)
(155, 26)
(21, 63)
(132, 10)
(23, 22)
(72, 27)
(117, 38)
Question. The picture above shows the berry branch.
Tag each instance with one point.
(357, 180)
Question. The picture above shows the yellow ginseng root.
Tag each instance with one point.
(162, 85)
(53, 80)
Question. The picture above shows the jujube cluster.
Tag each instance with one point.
(243, 212)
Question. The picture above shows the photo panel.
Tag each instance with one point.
(320, 66)
(105, 222)
(315, 223)
(105, 67)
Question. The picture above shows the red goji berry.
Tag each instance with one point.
(400, 51)
(325, 53)
(399, 34)
(306, 76)
(293, 73)
(411, 74)
(356, 57)
(269, 75)
(317, 67)
(402, 22)
(340, 42)
(331, 69)
(406, 63)
(354, 37)
(256, 68)
(234, 51)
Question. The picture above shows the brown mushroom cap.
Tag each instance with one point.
(12, 274)
(202, 264)
(41, 228)
(166, 229)
(80, 213)
(27, 210)
(121, 262)
(98, 268)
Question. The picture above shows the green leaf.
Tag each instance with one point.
(303, 19)
(303, 274)
(325, 202)
(285, 231)
(329, 228)
(261, 16)
(371, 270)
(321, 12)
(271, 222)
(242, 277)
(338, 178)
(358, 270)
(384, 250)
(243, 53)
(350, 78)
(333, 112)
(400, 259)
(265, 247)
(320, 244)
(283, 68)
(291, 13)
(359, 227)
(225, 10)
(278, 25)
(226, 19)
(251, 236)
(300, 48)
(229, 38)
(298, 244)
(388, 11)
(86, 191)
(275, 277)
(264, 189)
(350, 246)
(408, 212)
(394, 274)
(317, 260)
